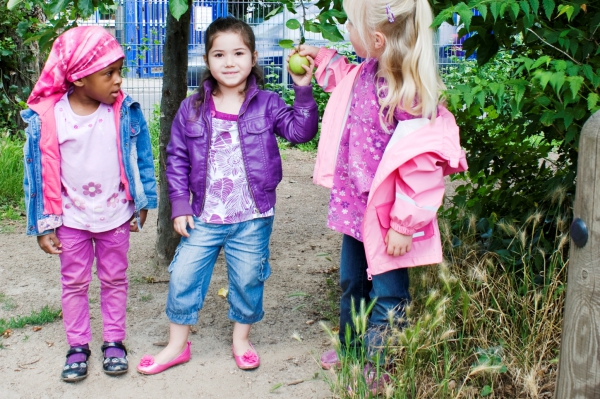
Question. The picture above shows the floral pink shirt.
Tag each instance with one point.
(93, 197)
(228, 198)
(361, 148)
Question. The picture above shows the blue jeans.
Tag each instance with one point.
(246, 247)
(389, 288)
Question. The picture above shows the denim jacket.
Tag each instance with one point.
(262, 115)
(136, 155)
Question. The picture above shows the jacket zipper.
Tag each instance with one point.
(245, 106)
(209, 143)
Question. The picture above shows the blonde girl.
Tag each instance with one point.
(386, 144)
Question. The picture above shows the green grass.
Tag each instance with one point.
(7, 303)
(11, 172)
(43, 316)
(479, 325)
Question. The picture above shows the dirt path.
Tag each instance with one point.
(295, 295)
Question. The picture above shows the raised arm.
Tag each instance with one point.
(300, 122)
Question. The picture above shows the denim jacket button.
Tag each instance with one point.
(31, 228)
(32, 195)
(29, 160)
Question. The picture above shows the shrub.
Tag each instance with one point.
(481, 324)
(11, 171)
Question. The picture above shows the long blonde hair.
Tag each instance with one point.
(408, 62)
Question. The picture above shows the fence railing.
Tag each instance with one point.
(139, 25)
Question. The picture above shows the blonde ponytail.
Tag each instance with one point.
(408, 62)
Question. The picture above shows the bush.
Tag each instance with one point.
(11, 171)
(481, 324)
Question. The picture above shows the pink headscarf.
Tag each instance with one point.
(77, 53)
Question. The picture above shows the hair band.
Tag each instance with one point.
(389, 13)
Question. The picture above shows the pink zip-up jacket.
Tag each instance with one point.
(408, 187)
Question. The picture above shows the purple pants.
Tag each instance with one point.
(78, 250)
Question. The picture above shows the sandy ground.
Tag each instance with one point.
(304, 254)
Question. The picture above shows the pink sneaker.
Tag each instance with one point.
(329, 359)
(249, 360)
(148, 367)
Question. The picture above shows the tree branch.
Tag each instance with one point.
(554, 47)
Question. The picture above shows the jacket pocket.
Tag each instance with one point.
(257, 125)
(194, 128)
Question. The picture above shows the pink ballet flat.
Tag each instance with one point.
(148, 367)
(248, 361)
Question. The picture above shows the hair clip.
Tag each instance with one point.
(389, 13)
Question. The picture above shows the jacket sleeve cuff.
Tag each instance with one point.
(304, 96)
(180, 207)
(401, 229)
(321, 55)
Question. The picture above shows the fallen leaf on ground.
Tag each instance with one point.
(36, 328)
(50, 344)
(161, 343)
(309, 322)
(7, 333)
(223, 292)
(295, 382)
(193, 330)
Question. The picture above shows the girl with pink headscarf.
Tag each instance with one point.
(89, 181)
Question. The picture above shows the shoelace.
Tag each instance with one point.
(146, 361)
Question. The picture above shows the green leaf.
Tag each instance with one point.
(13, 3)
(544, 77)
(442, 16)
(286, 43)
(535, 5)
(592, 100)
(514, 7)
(85, 7)
(557, 80)
(56, 7)
(548, 7)
(486, 390)
(540, 61)
(273, 12)
(293, 24)
(496, 9)
(560, 65)
(331, 33)
(482, 8)
(567, 119)
(568, 9)
(575, 83)
(465, 13)
(525, 7)
(547, 118)
(178, 8)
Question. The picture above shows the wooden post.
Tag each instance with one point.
(579, 366)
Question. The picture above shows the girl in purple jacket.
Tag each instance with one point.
(223, 151)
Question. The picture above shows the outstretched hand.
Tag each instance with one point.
(306, 78)
(397, 244)
(180, 224)
(50, 243)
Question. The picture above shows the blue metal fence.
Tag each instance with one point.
(141, 25)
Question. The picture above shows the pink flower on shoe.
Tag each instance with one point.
(92, 189)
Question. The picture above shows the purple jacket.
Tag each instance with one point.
(262, 115)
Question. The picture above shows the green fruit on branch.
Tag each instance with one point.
(296, 62)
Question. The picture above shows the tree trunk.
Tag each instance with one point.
(174, 90)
